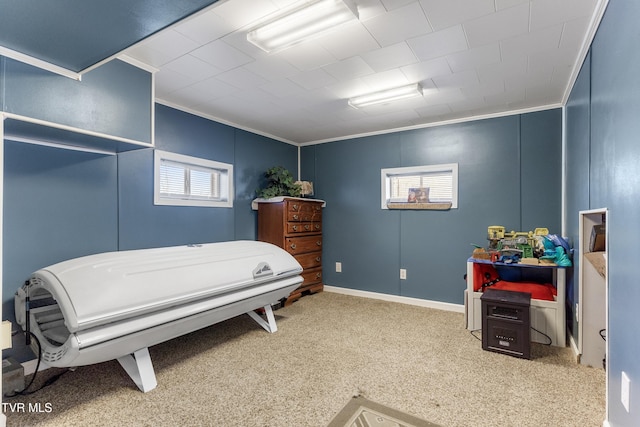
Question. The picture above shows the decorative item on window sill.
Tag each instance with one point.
(306, 188)
(418, 199)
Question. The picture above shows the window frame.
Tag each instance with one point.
(226, 181)
(387, 173)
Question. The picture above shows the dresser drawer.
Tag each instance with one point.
(301, 245)
(303, 227)
(306, 215)
(312, 276)
(310, 260)
(299, 210)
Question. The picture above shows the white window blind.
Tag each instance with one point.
(189, 181)
(441, 180)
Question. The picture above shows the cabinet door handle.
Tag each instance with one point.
(293, 246)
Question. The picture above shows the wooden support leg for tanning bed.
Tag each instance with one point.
(270, 324)
(139, 367)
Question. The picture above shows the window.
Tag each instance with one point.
(189, 181)
(442, 181)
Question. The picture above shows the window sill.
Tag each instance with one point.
(420, 206)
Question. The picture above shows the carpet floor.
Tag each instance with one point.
(329, 348)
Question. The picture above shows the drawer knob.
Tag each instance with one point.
(296, 216)
(295, 207)
(319, 242)
(306, 227)
(293, 246)
(295, 228)
(318, 275)
(318, 259)
(317, 226)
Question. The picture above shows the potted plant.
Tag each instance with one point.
(280, 182)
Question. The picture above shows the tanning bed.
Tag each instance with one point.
(115, 305)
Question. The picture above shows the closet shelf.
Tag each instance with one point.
(599, 262)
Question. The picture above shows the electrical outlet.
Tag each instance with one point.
(403, 274)
(338, 267)
(625, 384)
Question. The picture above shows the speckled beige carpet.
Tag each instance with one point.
(329, 348)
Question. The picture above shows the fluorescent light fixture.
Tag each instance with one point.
(302, 23)
(385, 96)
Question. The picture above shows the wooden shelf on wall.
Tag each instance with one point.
(420, 206)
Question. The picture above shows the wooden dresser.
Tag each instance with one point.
(296, 226)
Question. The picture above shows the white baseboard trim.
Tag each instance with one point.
(605, 423)
(458, 308)
(574, 346)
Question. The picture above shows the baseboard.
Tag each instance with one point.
(605, 423)
(438, 305)
(574, 347)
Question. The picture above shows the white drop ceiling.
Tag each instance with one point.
(473, 58)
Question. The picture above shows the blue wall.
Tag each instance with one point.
(509, 174)
(61, 204)
(114, 99)
(605, 106)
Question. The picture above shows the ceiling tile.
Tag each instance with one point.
(385, 80)
(307, 56)
(221, 55)
(164, 47)
(360, 40)
(271, 68)
(394, 4)
(426, 69)
(498, 26)
(205, 27)
(506, 4)
(168, 81)
(241, 78)
(537, 41)
(545, 13)
(439, 43)
(473, 58)
(502, 70)
(399, 24)
(443, 14)
(240, 13)
(457, 80)
(389, 57)
(313, 79)
(348, 69)
(189, 65)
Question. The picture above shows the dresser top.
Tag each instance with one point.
(254, 202)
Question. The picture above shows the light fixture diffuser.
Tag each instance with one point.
(385, 96)
(302, 23)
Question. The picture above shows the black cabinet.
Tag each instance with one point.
(506, 326)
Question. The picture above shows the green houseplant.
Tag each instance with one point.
(280, 182)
